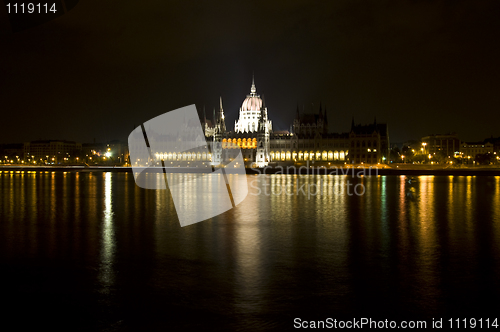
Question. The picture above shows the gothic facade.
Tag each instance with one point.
(308, 141)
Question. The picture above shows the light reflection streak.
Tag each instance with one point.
(77, 195)
(427, 258)
(76, 240)
(495, 214)
(64, 214)
(249, 260)
(332, 227)
(51, 187)
(384, 217)
(404, 226)
(32, 200)
(453, 188)
(496, 202)
(371, 227)
(469, 204)
(106, 272)
(427, 213)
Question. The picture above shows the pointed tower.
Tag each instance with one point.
(253, 89)
(204, 121)
(220, 129)
(221, 122)
(262, 123)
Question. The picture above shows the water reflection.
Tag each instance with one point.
(275, 255)
(248, 250)
(496, 208)
(107, 252)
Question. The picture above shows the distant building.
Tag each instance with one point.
(470, 150)
(12, 152)
(369, 143)
(51, 151)
(309, 141)
(447, 145)
(496, 143)
(311, 124)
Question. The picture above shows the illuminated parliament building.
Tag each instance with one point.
(309, 139)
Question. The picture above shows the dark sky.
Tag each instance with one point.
(421, 66)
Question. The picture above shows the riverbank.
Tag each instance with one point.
(359, 170)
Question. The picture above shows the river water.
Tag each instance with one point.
(94, 252)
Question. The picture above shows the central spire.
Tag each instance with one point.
(253, 89)
(221, 110)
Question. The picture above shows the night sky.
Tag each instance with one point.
(106, 66)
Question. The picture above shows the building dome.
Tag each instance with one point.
(253, 114)
(252, 103)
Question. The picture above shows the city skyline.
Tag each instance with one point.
(208, 113)
(209, 116)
